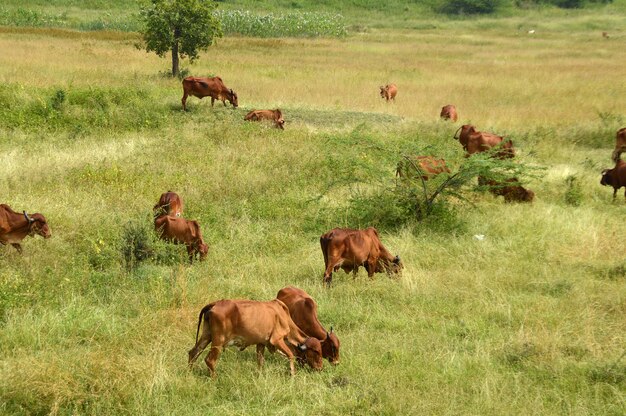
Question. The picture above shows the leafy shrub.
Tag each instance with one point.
(463, 7)
(573, 191)
(136, 244)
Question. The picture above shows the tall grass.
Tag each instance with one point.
(529, 318)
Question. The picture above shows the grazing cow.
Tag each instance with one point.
(303, 311)
(15, 227)
(241, 323)
(208, 87)
(474, 141)
(510, 189)
(448, 112)
(615, 177)
(389, 92)
(620, 144)
(605, 35)
(181, 231)
(350, 249)
(169, 204)
(273, 115)
(427, 166)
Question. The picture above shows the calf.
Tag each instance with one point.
(427, 166)
(181, 231)
(272, 115)
(615, 177)
(511, 193)
(15, 227)
(169, 204)
(351, 249)
(242, 323)
(389, 92)
(303, 311)
(448, 112)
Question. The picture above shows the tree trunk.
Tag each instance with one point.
(175, 70)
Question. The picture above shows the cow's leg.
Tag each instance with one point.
(614, 195)
(260, 348)
(211, 359)
(371, 267)
(282, 347)
(197, 349)
(212, 101)
(18, 247)
(184, 100)
(191, 251)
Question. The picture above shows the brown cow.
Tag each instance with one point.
(15, 227)
(208, 87)
(242, 323)
(474, 141)
(620, 144)
(350, 249)
(389, 92)
(303, 311)
(181, 231)
(511, 193)
(615, 177)
(169, 204)
(448, 112)
(428, 166)
(273, 115)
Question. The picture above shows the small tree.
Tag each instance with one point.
(180, 26)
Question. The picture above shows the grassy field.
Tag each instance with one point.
(529, 320)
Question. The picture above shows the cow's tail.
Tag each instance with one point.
(324, 244)
(204, 310)
(455, 133)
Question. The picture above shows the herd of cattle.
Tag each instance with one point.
(289, 323)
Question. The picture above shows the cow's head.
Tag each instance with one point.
(383, 91)
(311, 350)
(232, 97)
(395, 266)
(203, 249)
(606, 180)
(330, 347)
(280, 123)
(37, 224)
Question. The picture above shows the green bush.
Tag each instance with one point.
(573, 192)
(464, 7)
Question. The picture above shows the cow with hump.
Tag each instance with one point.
(448, 112)
(303, 311)
(389, 92)
(169, 204)
(474, 141)
(350, 249)
(212, 87)
(242, 323)
(14, 227)
(615, 177)
(620, 144)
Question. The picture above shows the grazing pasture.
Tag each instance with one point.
(500, 308)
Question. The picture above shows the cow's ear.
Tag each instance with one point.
(331, 329)
(302, 347)
(396, 260)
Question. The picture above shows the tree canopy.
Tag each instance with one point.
(182, 27)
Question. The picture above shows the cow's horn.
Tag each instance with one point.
(457, 130)
(327, 334)
(29, 219)
(302, 347)
(605, 171)
(331, 329)
(397, 259)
